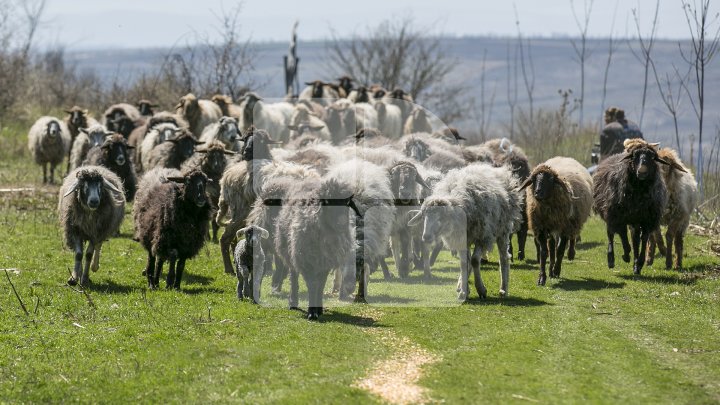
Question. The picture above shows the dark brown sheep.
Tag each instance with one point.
(114, 154)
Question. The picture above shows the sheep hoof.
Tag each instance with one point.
(626, 258)
(503, 293)
(541, 280)
(521, 255)
(636, 270)
(312, 316)
(72, 281)
(462, 296)
(144, 272)
(611, 261)
(293, 308)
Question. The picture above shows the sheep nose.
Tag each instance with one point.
(93, 203)
(120, 160)
(427, 238)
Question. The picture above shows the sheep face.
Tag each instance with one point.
(116, 149)
(96, 135)
(185, 145)
(543, 185)
(303, 128)
(78, 117)
(256, 145)
(122, 125)
(228, 131)
(194, 187)
(362, 95)
(439, 217)
(146, 108)
(403, 180)
(317, 88)
(253, 234)
(53, 129)
(417, 150)
(166, 133)
(643, 163)
(346, 83)
(215, 160)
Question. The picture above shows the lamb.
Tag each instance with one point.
(558, 204)
(226, 131)
(484, 201)
(91, 208)
(146, 108)
(49, 142)
(172, 225)
(390, 120)
(272, 117)
(682, 200)
(198, 113)
(228, 108)
(250, 262)
(122, 118)
(312, 238)
(417, 121)
(93, 136)
(242, 181)
(138, 134)
(304, 121)
(113, 154)
(156, 136)
(628, 191)
(173, 152)
(212, 161)
(77, 118)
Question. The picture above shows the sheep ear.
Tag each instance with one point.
(525, 184)
(263, 233)
(72, 189)
(292, 127)
(176, 179)
(563, 184)
(417, 217)
(111, 186)
(419, 180)
(201, 150)
(671, 164)
(229, 152)
(317, 128)
(309, 83)
(68, 111)
(273, 142)
(83, 130)
(85, 112)
(459, 137)
(628, 156)
(129, 147)
(241, 232)
(198, 142)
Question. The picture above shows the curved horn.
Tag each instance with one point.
(672, 164)
(110, 186)
(526, 183)
(240, 232)
(263, 232)
(73, 187)
(415, 220)
(419, 180)
(176, 179)
(229, 152)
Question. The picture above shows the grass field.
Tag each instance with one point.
(595, 335)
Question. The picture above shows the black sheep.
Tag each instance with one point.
(628, 191)
(172, 225)
(113, 154)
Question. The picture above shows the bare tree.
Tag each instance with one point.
(704, 45)
(483, 114)
(526, 66)
(512, 86)
(644, 53)
(581, 51)
(397, 53)
(612, 47)
(670, 88)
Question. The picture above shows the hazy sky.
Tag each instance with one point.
(133, 23)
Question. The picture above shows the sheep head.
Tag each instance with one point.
(403, 180)
(256, 144)
(188, 105)
(439, 216)
(146, 107)
(96, 134)
(185, 144)
(253, 234)
(53, 129)
(362, 95)
(544, 179)
(228, 130)
(345, 82)
(77, 116)
(89, 185)
(643, 163)
(116, 149)
(194, 184)
(213, 162)
(417, 149)
(317, 88)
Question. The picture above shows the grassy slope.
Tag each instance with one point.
(596, 335)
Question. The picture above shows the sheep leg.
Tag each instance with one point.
(150, 266)
(551, 246)
(424, 255)
(385, 269)
(562, 243)
(611, 248)
(215, 228)
(293, 297)
(504, 266)
(538, 250)
(52, 173)
(679, 242)
(315, 288)
(85, 279)
(639, 239)
(668, 249)
(241, 271)
(179, 273)
(397, 256)
(278, 277)
(541, 242)
(154, 279)
(404, 265)
(659, 240)
(463, 280)
(225, 240)
(650, 256)
(75, 276)
(475, 263)
(571, 248)
(257, 275)
(170, 281)
(521, 239)
(625, 244)
(435, 252)
(95, 265)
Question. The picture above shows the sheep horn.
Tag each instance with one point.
(229, 152)
(175, 179)
(111, 186)
(263, 233)
(273, 142)
(674, 165)
(198, 142)
(419, 180)
(292, 127)
(525, 184)
(240, 232)
(416, 215)
(351, 203)
(317, 128)
(83, 130)
(72, 189)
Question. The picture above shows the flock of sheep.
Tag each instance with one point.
(337, 181)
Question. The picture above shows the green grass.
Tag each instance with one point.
(595, 335)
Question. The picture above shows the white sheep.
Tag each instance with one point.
(198, 113)
(88, 137)
(226, 131)
(49, 142)
(272, 117)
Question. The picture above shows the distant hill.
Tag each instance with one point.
(553, 60)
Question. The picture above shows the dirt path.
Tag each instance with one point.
(395, 379)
